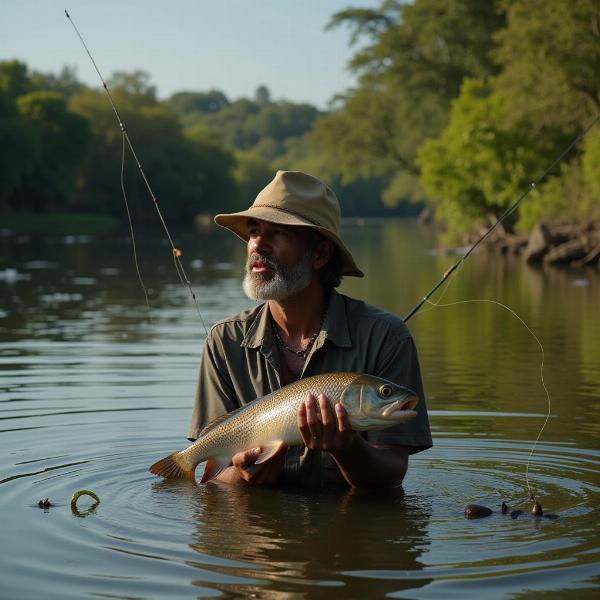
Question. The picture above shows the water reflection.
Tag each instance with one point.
(93, 390)
(304, 540)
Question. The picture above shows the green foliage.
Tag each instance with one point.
(419, 55)
(215, 164)
(134, 88)
(62, 139)
(591, 173)
(550, 58)
(558, 199)
(188, 174)
(65, 83)
(18, 138)
(459, 103)
(477, 167)
(14, 78)
(570, 195)
(184, 103)
(260, 125)
(251, 174)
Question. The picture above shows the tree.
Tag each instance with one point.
(591, 172)
(185, 103)
(251, 174)
(217, 189)
(17, 138)
(65, 83)
(135, 87)
(62, 141)
(414, 66)
(262, 95)
(14, 78)
(478, 166)
(550, 58)
(187, 173)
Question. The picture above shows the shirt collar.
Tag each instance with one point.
(259, 334)
(335, 327)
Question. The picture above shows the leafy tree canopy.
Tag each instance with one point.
(550, 58)
(413, 65)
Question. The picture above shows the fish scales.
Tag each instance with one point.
(256, 422)
(269, 421)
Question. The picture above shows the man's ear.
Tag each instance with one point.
(322, 254)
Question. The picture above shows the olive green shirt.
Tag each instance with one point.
(241, 362)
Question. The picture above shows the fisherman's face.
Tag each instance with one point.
(279, 262)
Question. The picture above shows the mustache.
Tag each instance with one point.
(267, 260)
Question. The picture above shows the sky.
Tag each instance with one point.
(230, 45)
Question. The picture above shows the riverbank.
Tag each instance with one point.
(571, 245)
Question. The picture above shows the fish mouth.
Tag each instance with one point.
(406, 405)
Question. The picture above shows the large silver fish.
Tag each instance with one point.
(371, 403)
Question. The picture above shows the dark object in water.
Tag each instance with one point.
(511, 512)
(536, 511)
(476, 511)
(45, 503)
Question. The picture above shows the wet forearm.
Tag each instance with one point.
(366, 466)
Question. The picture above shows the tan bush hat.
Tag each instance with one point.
(295, 198)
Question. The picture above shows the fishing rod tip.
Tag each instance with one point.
(67, 14)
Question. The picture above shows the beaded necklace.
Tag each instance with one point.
(311, 340)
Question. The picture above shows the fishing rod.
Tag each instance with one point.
(176, 252)
(471, 510)
(532, 186)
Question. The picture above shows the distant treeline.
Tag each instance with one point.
(458, 105)
(62, 148)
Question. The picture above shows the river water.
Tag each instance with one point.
(94, 388)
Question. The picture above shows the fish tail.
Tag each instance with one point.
(173, 467)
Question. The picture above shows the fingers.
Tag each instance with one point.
(244, 462)
(320, 425)
(343, 423)
(267, 472)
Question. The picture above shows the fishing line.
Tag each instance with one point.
(532, 186)
(133, 243)
(176, 252)
(543, 382)
(459, 263)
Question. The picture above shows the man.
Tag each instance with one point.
(295, 260)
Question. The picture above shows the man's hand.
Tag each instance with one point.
(245, 470)
(361, 464)
(323, 427)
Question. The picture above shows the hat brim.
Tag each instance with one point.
(236, 222)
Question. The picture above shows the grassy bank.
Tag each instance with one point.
(58, 223)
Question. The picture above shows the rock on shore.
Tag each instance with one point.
(571, 245)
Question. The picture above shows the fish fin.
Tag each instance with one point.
(172, 467)
(213, 467)
(269, 451)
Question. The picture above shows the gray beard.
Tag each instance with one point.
(285, 282)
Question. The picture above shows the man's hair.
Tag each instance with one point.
(330, 274)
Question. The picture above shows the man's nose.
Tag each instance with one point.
(258, 244)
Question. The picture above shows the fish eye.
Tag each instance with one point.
(385, 391)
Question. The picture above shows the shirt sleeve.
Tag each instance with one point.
(214, 393)
(399, 363)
